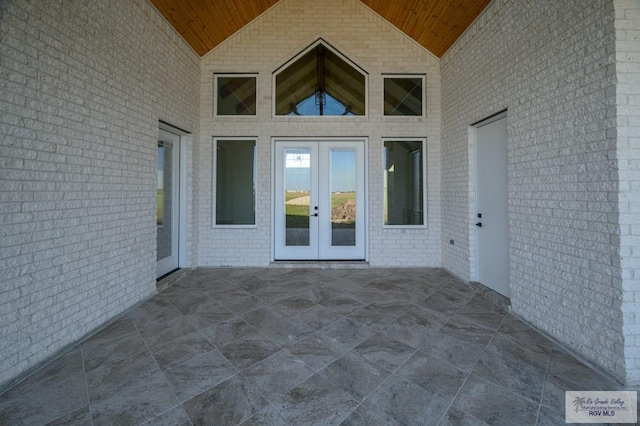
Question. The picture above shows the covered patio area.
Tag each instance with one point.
(307, 346)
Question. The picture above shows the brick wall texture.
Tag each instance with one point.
(553, 66)
(82, 87)
(627, 30)
(262, 47)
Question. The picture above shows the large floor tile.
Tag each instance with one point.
(294, 305)
(374, 317)
(342, 304)
(97, 353)
(317, 317)
(286, 331)
(249, 350)
(228, 331)
(268, 416)
(347, 332)
(231, 402)
(277, 374)
(495, 405)
(279, 346)
(413, 327)
(355, 375)
(199, 374)
(172, 417)
(466, 330)
(385, 351)
(507, 363)
(399, 401)
(461, 353)
(445, 301)
(128, 391)
(56, 390)
(317, 350)
(315, 401)
(455, 417)
(433, 375)
(181, 349)
(363, 417)
(81, 417)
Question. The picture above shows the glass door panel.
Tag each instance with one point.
(164, 195)
(318, 185)
(297, 196)
(296, 200)
(167, 203)
(343, 179)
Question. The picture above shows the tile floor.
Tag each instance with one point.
(307, 347)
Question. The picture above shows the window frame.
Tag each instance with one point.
(216, 76)
(214, 189)
(299, 55)
(423, 77)
(423, 142)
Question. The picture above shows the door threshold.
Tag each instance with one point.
(321, 264)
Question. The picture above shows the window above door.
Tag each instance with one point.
(320, 82)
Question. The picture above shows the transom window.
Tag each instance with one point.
(404, 95)
(320, 82)
(235, 94)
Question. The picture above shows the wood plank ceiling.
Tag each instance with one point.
(434, 24)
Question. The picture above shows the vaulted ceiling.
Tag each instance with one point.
(434, 24)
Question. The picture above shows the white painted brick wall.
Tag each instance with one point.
(552, 64)
(261, 47)
(82, 87)
(627, 26)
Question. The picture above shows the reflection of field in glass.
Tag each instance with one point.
(297, 209)
(160, 207)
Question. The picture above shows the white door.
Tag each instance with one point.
(319, 200)
(491, 208)
(167, 202)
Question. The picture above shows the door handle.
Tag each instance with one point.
(479, 224)
(315, 214)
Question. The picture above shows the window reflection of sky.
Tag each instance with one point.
(332, 106)
(298, 170)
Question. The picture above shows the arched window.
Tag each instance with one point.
(320, 81)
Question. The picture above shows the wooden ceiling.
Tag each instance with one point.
(434, 24)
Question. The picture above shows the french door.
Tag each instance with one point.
(319, 200)
(167, 203)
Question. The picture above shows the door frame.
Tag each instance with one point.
(182, 189)
(473, 193)
(365, 177)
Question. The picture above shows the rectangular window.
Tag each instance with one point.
(235, 181)
(404, 182)
(235, 94)
(404, 95)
